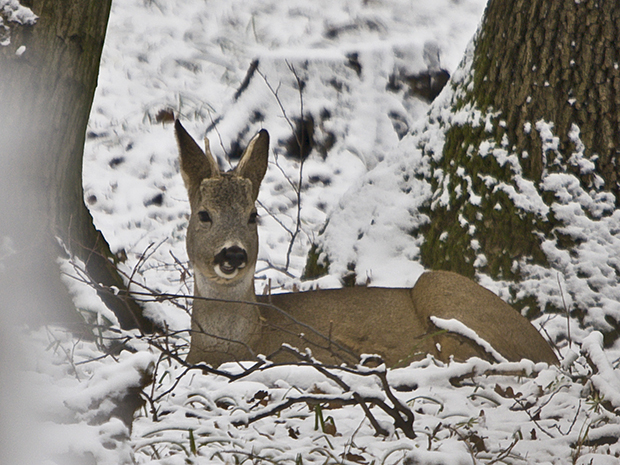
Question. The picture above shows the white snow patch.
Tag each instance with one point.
(455, 326)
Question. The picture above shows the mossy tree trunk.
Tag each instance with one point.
(558, 62)
(46, 92)
(542, 95)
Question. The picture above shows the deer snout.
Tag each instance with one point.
(229, 261)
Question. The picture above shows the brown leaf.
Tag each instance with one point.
(329, 426)
(507, 393)
(355, 458)
(262, 397)
(316, 390)
(477, 442)
(165, 115)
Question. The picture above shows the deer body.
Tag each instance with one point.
(337, 325)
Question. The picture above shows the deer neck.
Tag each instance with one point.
(240, 291)
(230, 318)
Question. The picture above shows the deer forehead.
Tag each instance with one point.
(226, 193)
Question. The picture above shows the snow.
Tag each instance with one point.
(455, 326)
(15, 12)
(192, 57)
(11, 11)
(606, 380)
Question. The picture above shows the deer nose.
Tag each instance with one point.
(230, 259)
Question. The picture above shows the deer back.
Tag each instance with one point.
(396, 323)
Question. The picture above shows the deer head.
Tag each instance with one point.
(222, 237)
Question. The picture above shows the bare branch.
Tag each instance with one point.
(300, 139)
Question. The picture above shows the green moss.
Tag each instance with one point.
(609, 337)
(314, 268)
(502, 231)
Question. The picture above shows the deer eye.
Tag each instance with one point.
(204, 216)
(253, 217)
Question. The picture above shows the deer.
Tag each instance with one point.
(230, 323)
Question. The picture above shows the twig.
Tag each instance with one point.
(279, 102)
(69, 356)
(345, 387)
(505, 452)
(300, 139)
(278, 220)
(279, 269)
(532, 417)
(300, 142)
(219, 136)
(402, 416)
(143, 258)
(154, 296)
(350, 397)
(570, 428)
(567, 312)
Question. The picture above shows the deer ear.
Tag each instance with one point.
(195, 165)
(253, 163)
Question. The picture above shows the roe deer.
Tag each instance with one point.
(339, 324)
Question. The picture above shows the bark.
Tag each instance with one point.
(45, 98)
(557, 61)
(534, 60)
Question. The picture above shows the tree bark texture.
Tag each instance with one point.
(534, 61)
(46, 93)
(557, 61)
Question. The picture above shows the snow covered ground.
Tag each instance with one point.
(193, 58)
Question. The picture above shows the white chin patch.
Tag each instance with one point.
(223, 275)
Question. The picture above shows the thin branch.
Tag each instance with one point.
(533, 418)
(278, 220)
(279, 102)
(300, 142)
(567, 312)
(300, 139)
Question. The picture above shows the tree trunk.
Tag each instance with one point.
(556, 61)
(46, 91)
(545, 83)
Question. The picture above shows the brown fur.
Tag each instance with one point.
(337, 325)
